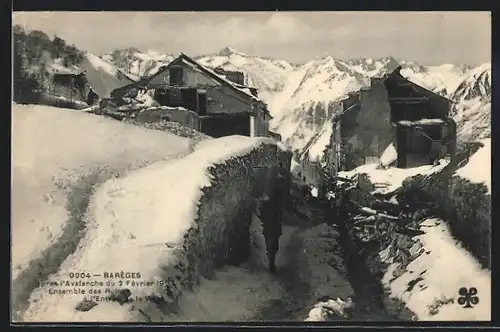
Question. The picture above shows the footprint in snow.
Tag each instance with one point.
(118, 192)
(49, 198)
(42, 229)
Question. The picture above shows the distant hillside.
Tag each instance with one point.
(37, 58)
(33, 52)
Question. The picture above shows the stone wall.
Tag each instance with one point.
(464, 205)
(44, 98)
(221, 232)
(176, 114)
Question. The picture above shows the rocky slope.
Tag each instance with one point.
(472, 109)
(137, 63)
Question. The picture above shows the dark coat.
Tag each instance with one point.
(92, 97)
(271, 215)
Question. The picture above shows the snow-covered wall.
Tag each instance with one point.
(226, 209)
(176, 114)
(172, 222)
(465, 203)
(416, 251)
(49, 99)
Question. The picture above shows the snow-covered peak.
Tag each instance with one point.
(477, 84)
(228, 51)
(303, 98)
(138, 63)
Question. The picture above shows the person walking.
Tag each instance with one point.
(92, 97)
(271, 214)
(272, 230)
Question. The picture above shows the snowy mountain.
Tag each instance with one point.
(137, 63)
(304, 119)
(311, 98)
(476, 84)
(267, 74)
(472, 109)
(313, 91)
(442, 79)
(304, 98)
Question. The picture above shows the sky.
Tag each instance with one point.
(429, 38)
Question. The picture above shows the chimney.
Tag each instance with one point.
(254, 92)
(236, 77)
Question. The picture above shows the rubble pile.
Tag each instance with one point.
(173, 127)
(381, 231)
(129, 111)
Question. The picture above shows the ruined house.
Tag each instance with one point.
(392, 110)
(225, 106)
(424, 130)
(74, 85)
(71, 85)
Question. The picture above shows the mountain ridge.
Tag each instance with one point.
(303, 98)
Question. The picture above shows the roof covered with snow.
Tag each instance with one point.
(102, 76)
(383, 78)
(221, 78)
(420, 88)
(240, 89)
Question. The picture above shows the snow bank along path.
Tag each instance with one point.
(443, 265)
(59, 156)
(137, 224)
(391, 178)
(478, 169)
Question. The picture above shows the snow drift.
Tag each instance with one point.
(138, 224)
(103, 76)
(59, 156)
(444, 268)
(481, 160)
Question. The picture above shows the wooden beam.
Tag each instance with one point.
(408, 99)
(407, 102)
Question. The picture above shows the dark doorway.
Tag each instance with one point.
(418, 148)
(190, 99)
(202, 103)
(226, 125)
(401, 146)
(162, 97)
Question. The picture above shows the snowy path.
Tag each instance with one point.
(73, 232)
(294, 277)
(250, 293)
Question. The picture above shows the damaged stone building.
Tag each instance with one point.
(225, 106)
(392, 112)
(74, 84)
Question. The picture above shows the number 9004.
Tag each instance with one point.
(79, 275)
